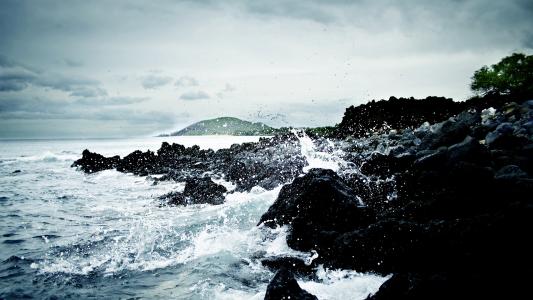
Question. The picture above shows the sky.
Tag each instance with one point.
(89, 69)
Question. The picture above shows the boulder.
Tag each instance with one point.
(93, 162)
(293, 264)
(204, 190)
(138, 162)
(174, 199)
(317, 202)
(197, 191)
(284, 287)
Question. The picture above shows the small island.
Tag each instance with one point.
(225, 126)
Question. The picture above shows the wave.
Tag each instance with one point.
(49, 156)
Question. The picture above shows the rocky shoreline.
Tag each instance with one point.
(444, 207)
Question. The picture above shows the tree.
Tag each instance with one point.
(512, 76)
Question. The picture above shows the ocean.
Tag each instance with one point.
(66, 234)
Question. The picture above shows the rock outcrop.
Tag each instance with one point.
(284, 287)
(458, 212)
(197, 191)
(445, 208)
(93, 162)
(267, 163)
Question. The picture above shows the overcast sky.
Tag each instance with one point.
(136, 68)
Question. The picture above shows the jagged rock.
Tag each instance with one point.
(204, 190)
(138, 162)
(284, 287)
(451, 131)
(381, 116)
(197, 191)
(174, 198)
(510, 172)
(385, 165)
(317, 202)
(268, 163)
(93, 162)
(292, 264)
(455, 221)
(444, 286)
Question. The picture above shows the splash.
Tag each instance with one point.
(329, 159)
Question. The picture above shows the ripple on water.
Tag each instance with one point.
(17, 241)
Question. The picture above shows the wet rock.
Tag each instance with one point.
(16, 171)
(451, 131)
(174, 198)
(455, 221)
(319, 201)
(385, 165)
(293, 264)
(197, 191)
(93, 162)
(510, 172)
(267, 164)
(204, 190)
(284, 286)
(138, 162)
(444, 285)
(395, 113)
(503, 137)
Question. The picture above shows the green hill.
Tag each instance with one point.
(226, 126)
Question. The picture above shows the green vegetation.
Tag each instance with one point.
(513, 76)
(325, 131)
(226, 126)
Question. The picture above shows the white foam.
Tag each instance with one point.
(318, 159)
(342, 284)
(48, 156)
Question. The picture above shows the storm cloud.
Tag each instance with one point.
(194, 95)
(155, 81)
(144, 66)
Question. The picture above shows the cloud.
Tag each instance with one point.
(195, 95)
(104, 109)
(14, 77)
(155, 81)
(88, 92)
(17, 77)
(73, 63)
(186, 81)
(228, 88)
(74, 85)
(291, 9)
(280, 54)
(112, 101)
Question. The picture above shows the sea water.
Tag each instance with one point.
(66, 234)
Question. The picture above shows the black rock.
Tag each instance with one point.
(284, 287)
(510, 172)
(444, 286)
(138, 162)
(16, 171)
(317, 202)
(385, 165)
(395, 113)
(204, 190)
(293, 264)
(93, 162)
(197, 191)
(452, 131)
(174, 198)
